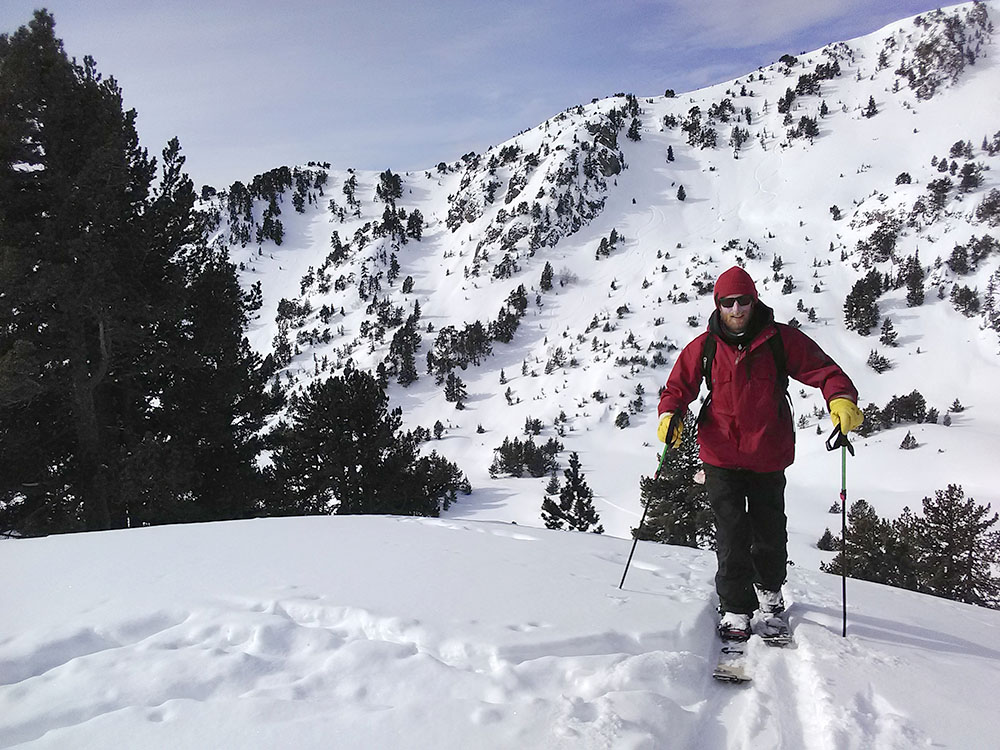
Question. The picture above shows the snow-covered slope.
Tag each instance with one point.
(375, 632)
(600, 343)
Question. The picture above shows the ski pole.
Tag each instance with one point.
(645, 507)
(839, 439)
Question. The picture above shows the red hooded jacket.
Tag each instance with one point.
(748, 422)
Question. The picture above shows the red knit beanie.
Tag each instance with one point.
(734, 282)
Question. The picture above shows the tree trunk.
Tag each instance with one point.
(92, 471)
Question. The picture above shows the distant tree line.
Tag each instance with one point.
(951, 551)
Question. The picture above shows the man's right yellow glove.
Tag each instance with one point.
(846, 413)
(661, 430)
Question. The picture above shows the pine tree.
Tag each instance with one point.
(554, 513)
(546, 281)
(402, 357)
(341, 451)
(958, 548)
(827, 542)
(914, 279)
(888, 336)
(415, 225)
(678, 510)
(902, 552)
(861, 305)
(125, 319)
(866, 551)
(577, 496)
(454, 391)
(681, 193)
(633, 133)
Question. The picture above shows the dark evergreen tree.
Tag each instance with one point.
(341, 451)
(867, 546)
(389, 188)
(958, 261)
(633, 133)
(870, 110)
(861, 306)
(516, 458)
(971, 176)
(576, 495)
(454, 391)
(216, 401)
(546, 281)
(958, 548)
(888, 336)
(914, 279)
(965, 300)
(827, 542)
(909, 408)
(415, 225)
(678, 510)
(402, 357)
(116, 316)
(556, 511)
(902, 552)
(681, 193)
(878, 362)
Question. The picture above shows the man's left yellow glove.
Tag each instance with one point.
(846, 413)
(661, 430)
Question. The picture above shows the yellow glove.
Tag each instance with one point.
(846, 413)
(661, 430)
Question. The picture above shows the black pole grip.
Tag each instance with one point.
(838, 439)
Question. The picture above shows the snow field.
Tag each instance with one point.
(416, 633)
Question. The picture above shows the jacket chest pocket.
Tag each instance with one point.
(759, 374)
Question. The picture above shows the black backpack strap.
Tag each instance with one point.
(707, 358)
(780, 363)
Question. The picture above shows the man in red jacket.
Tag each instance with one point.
(746, 438)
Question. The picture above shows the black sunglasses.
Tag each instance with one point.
(743, 299)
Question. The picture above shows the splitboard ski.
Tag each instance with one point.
(732, 666)
(774, 631)
(732, 663)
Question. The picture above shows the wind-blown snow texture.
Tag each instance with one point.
(470, 631)
(375, 632)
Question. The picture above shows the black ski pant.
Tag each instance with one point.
(751, 534)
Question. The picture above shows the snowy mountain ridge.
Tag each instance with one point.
(806, 185)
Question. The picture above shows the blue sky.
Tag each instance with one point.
(398, 84)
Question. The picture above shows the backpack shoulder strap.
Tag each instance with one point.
(780, 361)
(707, 357)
